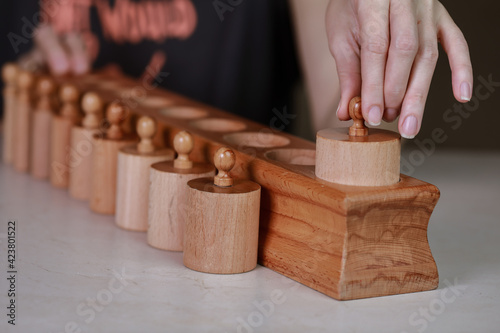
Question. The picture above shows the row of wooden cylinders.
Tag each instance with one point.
(182, 205)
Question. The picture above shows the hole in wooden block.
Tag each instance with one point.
(293, 156)
(219, 125)
(184, 112)
(155, 101)
(257, 139)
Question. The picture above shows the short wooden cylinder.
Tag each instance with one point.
(80, 167)
(222, 227)
(168, 203)
(104, 169)
(21, 137)
(40, 144)
(371, 160)
(60, 151)
(132, 191)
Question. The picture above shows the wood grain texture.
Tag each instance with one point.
(371, 160)
(40, 143)
(80, 167)
(132, 192)
(168, 203)
(311, 230)
(104, 174)
(222, 226)
(60, 151)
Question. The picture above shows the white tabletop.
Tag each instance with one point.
(78, 272)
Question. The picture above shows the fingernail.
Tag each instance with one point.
(465, 91)
(337, 112)
(80, 67)
(409, 129)
(391, 114)
(374, 116)
(60, 64)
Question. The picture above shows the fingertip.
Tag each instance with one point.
(465, 92)
(374, 116)
(80, 67)
(409, 127)
(390, 115)
(58, 64)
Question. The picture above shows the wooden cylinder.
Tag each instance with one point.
(104, 168)
(40, 144)
(132, 191)
(371, 160)
(8, 124)
(21, 137)
(80, 166)
(60, 151)
(9, 74)
(168, 202)
(222, 226)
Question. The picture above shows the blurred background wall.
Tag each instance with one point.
(474, 127)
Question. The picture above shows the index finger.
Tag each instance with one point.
(374, 40)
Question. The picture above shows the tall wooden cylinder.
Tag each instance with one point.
(222, 226)
(22, 122)
(132, 196)
(104, 170)
(9, 75)
(80, 167)
(60, 153)
(168, 202)
(21, 141)
(40, 143)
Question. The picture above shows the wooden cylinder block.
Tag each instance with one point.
(40, 143)
(371, 160)
(104, 168)
(22, 122)
(80, 167)
(132, 192)
(60, 151)
(9, 75)
(21, 141)
(222, 226)
(168, 202)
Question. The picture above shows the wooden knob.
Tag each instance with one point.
(92, 107)
(358, 128)
(146, 128)
(69, 93)
(183, 146)
(224, 160)
(25, 80)
(10, 72)
(116, 114)
(46, 86)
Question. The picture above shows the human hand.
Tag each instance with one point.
(386, 51)
(61, 54)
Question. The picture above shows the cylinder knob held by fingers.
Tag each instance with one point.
(115, 114)
(224, 160)
(358, 127)
(146, 128)
(183, 145)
